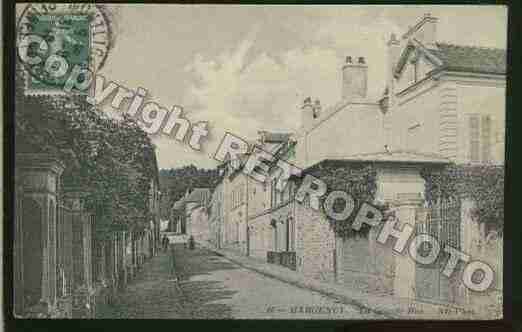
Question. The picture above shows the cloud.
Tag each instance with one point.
(254, 85)
(242, 93)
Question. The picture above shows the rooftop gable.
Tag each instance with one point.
(459, 58)
(472, 58)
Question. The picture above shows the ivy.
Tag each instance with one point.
(114, 160)
(356, 179)
(484, 184)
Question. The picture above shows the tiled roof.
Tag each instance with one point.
(470, 58)
(199, 195)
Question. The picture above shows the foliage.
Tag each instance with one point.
(484, 184)
(112, 160)
(356, 179)
(175, 182)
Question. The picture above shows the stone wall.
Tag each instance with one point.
(366, 265)
(261, 236)
(315, 244)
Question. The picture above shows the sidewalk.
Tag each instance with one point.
(388, 306)
(153, 293)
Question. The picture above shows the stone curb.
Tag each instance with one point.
(303, 284)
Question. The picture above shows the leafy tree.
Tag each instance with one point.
(114, 160)
(176, 181)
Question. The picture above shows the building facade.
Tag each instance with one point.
(443, 105)
(216, 216)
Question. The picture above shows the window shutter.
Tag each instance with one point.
(486, 138)
(474, 135)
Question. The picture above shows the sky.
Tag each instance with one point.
(248, 68)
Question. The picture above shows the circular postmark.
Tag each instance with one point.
(56, 40)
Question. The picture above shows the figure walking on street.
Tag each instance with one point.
(165, 242)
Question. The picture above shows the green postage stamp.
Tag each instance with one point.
(68, 39)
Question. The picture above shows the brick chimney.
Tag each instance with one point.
(354, 78)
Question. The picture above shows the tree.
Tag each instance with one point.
(113, 159)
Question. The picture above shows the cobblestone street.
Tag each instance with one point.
(211, 287)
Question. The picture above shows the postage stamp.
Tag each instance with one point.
(57, 40)
(68, 37)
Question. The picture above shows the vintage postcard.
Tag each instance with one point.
(259, 162)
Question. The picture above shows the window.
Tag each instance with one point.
(486, 139)
(480, 138)
(474, 138)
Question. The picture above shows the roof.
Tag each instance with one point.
(198, 195)
(471, 58)
(398, 156)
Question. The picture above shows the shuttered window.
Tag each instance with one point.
(486, 139)
(480, 135)
(474, 138)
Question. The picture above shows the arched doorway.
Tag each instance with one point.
(32, 251)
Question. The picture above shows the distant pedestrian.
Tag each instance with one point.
(192, 243)
(165, 242)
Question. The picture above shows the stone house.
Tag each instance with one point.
(443, 104)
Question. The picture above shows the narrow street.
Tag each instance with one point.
(212, 287)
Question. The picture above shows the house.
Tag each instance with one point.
(216, 215)
(444, 104)
(196, 202)
(271, 227)
(235, 186)
(445, 99)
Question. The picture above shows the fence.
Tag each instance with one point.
(442, 221)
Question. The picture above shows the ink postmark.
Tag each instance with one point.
(56, 39)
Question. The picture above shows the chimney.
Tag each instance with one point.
(354, 78)
(424, 31)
